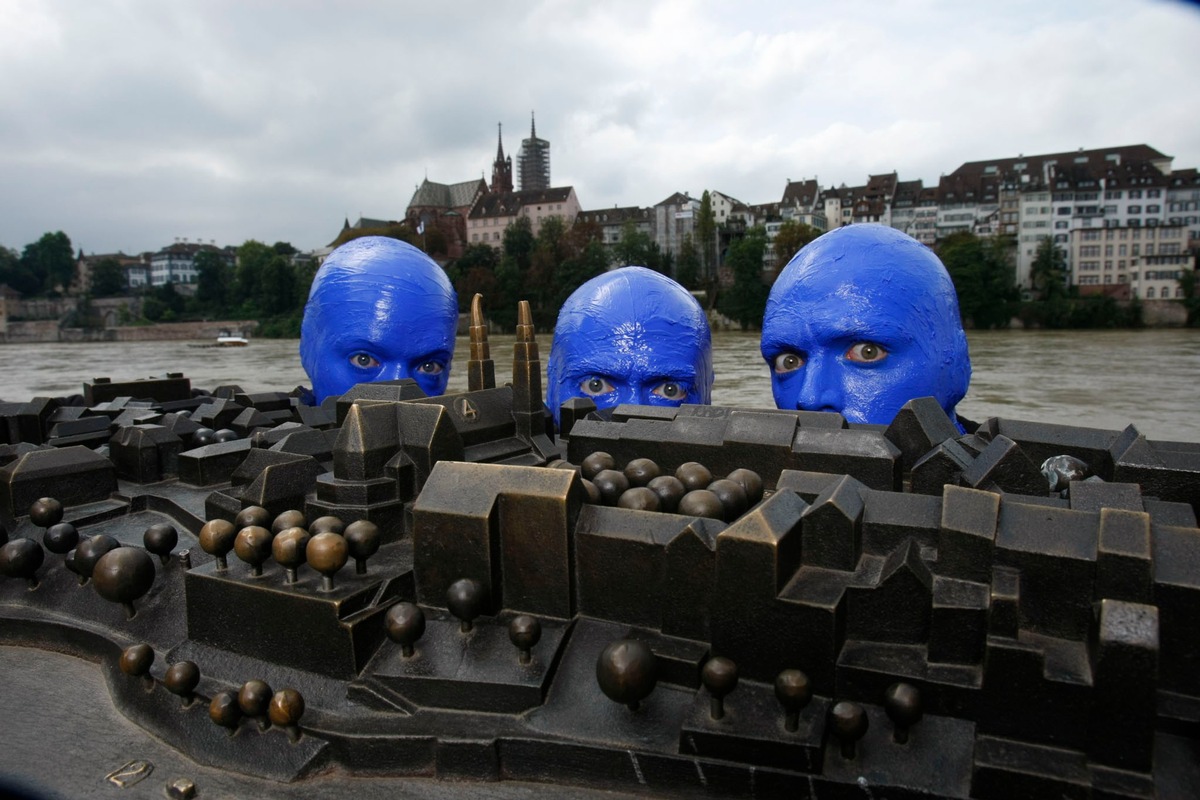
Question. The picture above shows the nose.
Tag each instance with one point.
(393, 371)
(820, 385)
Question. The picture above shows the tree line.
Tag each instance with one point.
(267, 282)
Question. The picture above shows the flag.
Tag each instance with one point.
(421, 227)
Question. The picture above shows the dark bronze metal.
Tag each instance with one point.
(224, 710)
(405, 626)
(466, 598)
(291, 518)
(285, 710)
(122, 575)
(640, 471)
(136, 661)
(327, 524)
(702, 503)
(253, 699)
(327, 552)
(999, 639)
(524, 632)
(253, 545)
(290, 549)
(902, 702)
(793, 691)
(639, 498)
(21, 558)
(46, 511)
(627, 672)
(849, 723)
(182, 678)
(363, 538)
(595, 463)
(693, 475)
(89, 552)
(160, 539)
(216, 538)
(252, 515)
(720, 677)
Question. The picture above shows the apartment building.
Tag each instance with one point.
(1130, 260)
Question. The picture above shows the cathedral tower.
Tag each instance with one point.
(533, 162)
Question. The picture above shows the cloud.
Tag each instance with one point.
(130, 122)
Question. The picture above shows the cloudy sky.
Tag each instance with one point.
(128, 123)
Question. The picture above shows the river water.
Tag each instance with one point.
(1097, 379)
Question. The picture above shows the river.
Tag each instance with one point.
(1097, 379)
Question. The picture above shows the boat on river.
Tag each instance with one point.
(231, 339)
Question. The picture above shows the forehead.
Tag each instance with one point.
(652, 345)
(847, 296)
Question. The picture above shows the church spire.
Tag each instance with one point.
(532, 126)
(502, 167)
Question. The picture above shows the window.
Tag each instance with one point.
(1113, 194)
(1137, 248)
(1153, 209)
(1123, 250)
(1150, 293)
(1064, 210)
(1059, 224)
(1149, 249)
(1091, 236)
(1154, 193)
(1178, 291)
(1135, 209)
(1135, 194)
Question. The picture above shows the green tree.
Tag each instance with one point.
(16, 275)
(792, 236)
(1049, 271)
(583, 265)
(635, 248)
(516, 257)
(1191, 296)
(214, 282)
(50, 260)
(746, 300)
(687, 263)
(983, 277)
(108, 278)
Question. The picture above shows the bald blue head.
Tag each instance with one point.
(630, 335)
(379, 309)
(862, 320)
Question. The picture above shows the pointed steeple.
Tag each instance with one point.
(532, 126)
(501, 167)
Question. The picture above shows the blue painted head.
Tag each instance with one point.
(862, 320)
(630, 335)
(379, 309)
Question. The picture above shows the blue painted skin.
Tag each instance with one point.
(379, 309)
(862, 320)
(630, 335)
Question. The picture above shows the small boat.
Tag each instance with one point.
(231, 339)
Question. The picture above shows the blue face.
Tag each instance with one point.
(630, 336)
(378, 310)
(861, 321)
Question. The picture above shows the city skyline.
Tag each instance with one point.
(128, 125)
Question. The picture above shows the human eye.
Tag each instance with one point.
(431, 367)
(595, 386)
(671, 390)
(364, 361)
(866, 353)
(787, 362)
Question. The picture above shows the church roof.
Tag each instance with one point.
(442, 195)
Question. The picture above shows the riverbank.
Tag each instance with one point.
(44, 331)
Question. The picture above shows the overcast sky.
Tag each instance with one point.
(128, 123)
